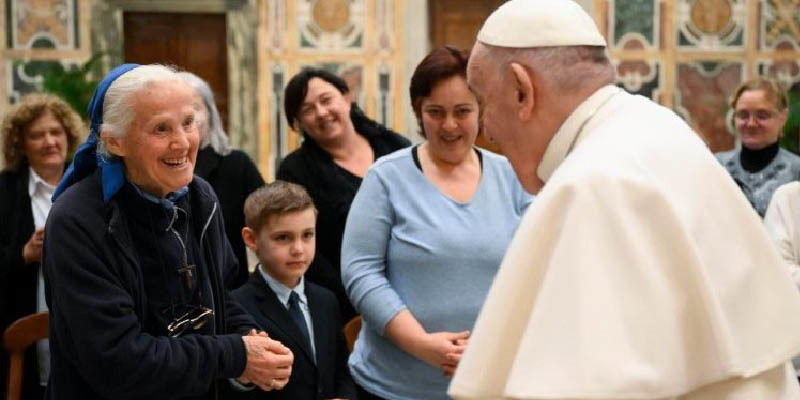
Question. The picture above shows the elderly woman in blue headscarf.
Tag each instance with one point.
(135, 258)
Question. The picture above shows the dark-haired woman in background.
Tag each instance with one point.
(340, 144)
(230, 172)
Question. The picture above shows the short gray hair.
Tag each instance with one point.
(566, 68)
(214, 135)
(117, 111)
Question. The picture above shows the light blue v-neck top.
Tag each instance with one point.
(407, 245)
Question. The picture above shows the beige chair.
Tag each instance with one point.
(351, 329)
(16, 339)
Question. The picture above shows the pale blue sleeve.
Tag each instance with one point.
(364, 254)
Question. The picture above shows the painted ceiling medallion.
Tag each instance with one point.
(331, 15)
(711, 16)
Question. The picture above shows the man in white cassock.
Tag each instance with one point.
(640, 271)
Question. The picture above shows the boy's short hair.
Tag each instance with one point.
(276, 198)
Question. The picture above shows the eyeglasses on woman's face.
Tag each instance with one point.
(758, 115)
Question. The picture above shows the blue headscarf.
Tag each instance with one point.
(86, 159)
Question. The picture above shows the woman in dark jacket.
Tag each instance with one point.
(39, 133)
(340, 144)
(230, 172)
(135, 258)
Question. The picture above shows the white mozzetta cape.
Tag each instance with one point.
(640, 272)
(783, 224)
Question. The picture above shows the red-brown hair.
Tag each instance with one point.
(442, 63)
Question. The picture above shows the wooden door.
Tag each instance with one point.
(456, 23)
(192, 42)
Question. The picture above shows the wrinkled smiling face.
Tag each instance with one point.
(160, 147)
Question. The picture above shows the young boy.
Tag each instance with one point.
(280, 223)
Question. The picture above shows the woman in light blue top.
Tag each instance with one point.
(424, 238)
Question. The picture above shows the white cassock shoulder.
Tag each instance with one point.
(607, 291)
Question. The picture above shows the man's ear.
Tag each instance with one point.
(249, 238)
(113, 144)
(523, 90)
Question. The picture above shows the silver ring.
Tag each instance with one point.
(272, 382)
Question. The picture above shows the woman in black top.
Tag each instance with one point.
(39, 135)
(340, 144)
(230, 172)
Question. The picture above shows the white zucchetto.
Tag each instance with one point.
(540, 23)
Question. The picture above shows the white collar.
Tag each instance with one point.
(281, 290)
(35, 180)
(563, 141)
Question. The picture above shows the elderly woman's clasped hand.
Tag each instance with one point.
(269, 363)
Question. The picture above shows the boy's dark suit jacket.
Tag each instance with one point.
(329, 376)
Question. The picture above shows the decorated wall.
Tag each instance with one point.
(689, 55)
(36, 35)
(367, 42)
(686, 54)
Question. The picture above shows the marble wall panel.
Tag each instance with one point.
(42, 24)
(23, 77)
(330, 24)
(785, 71)
(701, 97)
(640, 77)
(779, 24)
(635, 20)
(710, 25)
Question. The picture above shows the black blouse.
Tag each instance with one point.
(233, 178)
(332, 188)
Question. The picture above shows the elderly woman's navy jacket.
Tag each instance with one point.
(104, 339)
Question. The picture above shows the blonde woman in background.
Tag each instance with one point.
(39, 134)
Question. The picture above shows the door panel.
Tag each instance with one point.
(192, 42)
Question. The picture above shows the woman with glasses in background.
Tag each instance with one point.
(759, 166)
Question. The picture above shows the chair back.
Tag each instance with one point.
(20, 335)
(351, 330)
